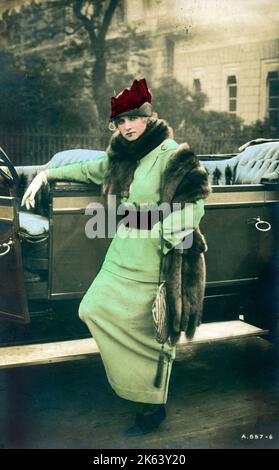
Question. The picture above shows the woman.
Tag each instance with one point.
(143, 165)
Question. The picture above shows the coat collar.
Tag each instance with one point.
(124, 156)
(120, 149)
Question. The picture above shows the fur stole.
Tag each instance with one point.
(185, 181)
(124, 156)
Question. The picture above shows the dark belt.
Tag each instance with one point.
(141, 220)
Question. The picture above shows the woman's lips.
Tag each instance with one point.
(130, 133)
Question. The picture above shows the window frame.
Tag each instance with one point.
(232, 93)
(272, 75)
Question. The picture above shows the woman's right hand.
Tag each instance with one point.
(30, 193)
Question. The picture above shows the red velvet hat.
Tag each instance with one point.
(132, 101)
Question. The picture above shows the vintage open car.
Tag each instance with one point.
(47, 260)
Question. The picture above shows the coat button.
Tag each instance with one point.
(164, 147)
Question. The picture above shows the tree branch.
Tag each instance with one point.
(107, 18)
(75, 30)
(77, 6)
(53, 34)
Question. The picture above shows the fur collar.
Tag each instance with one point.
(185, 179)
(124, 156)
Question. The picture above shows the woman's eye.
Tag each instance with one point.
(133, 118)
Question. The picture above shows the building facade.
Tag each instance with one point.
(226, 49)
(240, 79)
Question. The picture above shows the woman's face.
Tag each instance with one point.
(131, 127)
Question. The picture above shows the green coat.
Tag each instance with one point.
(129, 255)
(117, 306)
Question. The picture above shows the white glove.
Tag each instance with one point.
(30, 193)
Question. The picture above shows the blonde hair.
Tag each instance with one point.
(113, 124)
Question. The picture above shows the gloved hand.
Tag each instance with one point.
(30, 193)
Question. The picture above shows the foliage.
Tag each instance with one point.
(15, 6)
(79, 92)
(206, 131)
(71, 87)
(33, 96)
(176, 103)
(264, 129)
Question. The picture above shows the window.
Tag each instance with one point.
(273, 96)
(232, 93)
(197, 85)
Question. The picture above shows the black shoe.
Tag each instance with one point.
(147, 422)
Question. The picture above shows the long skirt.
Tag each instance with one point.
(117, 311)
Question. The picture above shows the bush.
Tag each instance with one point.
(33, 96)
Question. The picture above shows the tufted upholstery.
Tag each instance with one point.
(248, 167)
(73, 156)
(257, 162)
(33, 224)
(66, 157)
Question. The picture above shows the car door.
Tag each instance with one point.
(13, 298)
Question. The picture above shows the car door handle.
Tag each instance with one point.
(6, 247)
(261, 225)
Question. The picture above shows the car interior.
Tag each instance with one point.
(53, 259)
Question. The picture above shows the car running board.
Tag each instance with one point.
(46, 353)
